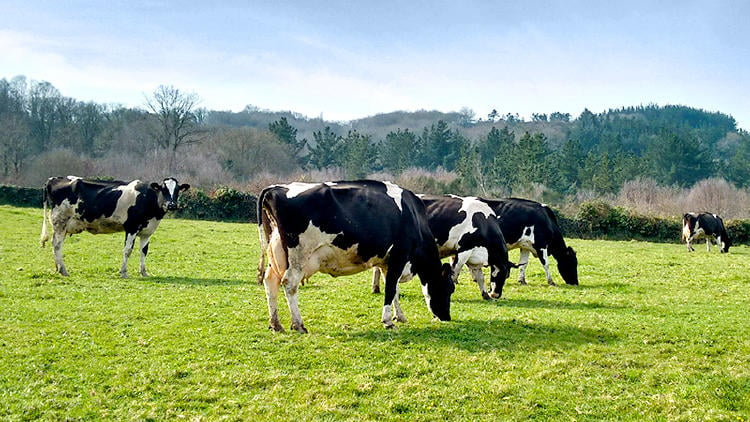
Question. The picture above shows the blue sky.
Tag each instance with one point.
(350, 59)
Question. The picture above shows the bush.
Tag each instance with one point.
(222, 204)
(20, 196)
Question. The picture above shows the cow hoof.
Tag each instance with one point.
(401, 319)
(375, 290)
(485, 296)
(522, 282)
(300, 329)
(144, 274)
(275, 326)
(124, 275)
(551, 283)
(64, 273)
(389, 325)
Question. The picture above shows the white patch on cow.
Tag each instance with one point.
(387, 316)
(395, 192)
(316, 253)
(171, 186)
(297, 188)
(469, 205)
(427, 297)
(526, 241)
(73, 178)
(406, 273)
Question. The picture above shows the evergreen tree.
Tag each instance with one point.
(357, 155)
(327, 149)
(287, 134)
(399, 150)
(532, 155)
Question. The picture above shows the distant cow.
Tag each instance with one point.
(342, 228)
(97, 206)
(705, 226)
(467, 230)
(533, 228)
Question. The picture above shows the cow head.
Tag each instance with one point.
(437, 293)
(169, 190)
(726, 242)
(567, 264)
(498, 275)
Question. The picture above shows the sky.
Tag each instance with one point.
(345, 60)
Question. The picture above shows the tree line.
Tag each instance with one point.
(42, 131)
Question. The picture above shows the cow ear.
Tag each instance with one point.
(156, 186)
(184, 186)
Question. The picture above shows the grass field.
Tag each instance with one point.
(652, 333)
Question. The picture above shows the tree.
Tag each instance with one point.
(327, 149)
(532, 155)
(358, 154)
(497, 154)
(14, 145)
(175, 112)
(440, 146)
(570, 160)
(679, 159)
(287, 134)
(493, 115)
(399, 150)
(244, 152)
(43, 101)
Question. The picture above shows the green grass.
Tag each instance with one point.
(652, 333)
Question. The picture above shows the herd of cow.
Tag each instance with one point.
(345, 227)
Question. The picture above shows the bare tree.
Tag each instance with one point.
(178, 119)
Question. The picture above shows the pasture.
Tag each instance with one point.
(652, 333)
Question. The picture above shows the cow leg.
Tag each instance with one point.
(57, 242)
(400, 317)
(689, 242)
(391, 292)
(376, 280)
(292, 279)
(708, 244)
(522, 262)
(129, 243)
(457, 262)
(478, 275)
(545, 262)
(144, 251)
(272, 281)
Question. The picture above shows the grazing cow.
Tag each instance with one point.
(467, 230)
(533, 228)
(705, 226)
(100, 206)
(342, 228)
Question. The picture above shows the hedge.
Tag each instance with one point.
(595, 219)
(222, 204)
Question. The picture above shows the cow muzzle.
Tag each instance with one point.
(171, 206)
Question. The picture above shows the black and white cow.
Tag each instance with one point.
(533, 228)
(97, 206)
(467, 230)
(707, 226)
(342, 228)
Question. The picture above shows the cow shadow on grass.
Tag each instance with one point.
(484, 335)
(196, 281)
(542, 304)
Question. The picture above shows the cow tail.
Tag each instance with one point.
(45, 235)
(262, 222)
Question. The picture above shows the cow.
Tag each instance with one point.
(533, 228)
(99, 206)
(467, 230)
(705, 226)
(345, 227)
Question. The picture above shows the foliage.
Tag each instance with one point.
(648, 335)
